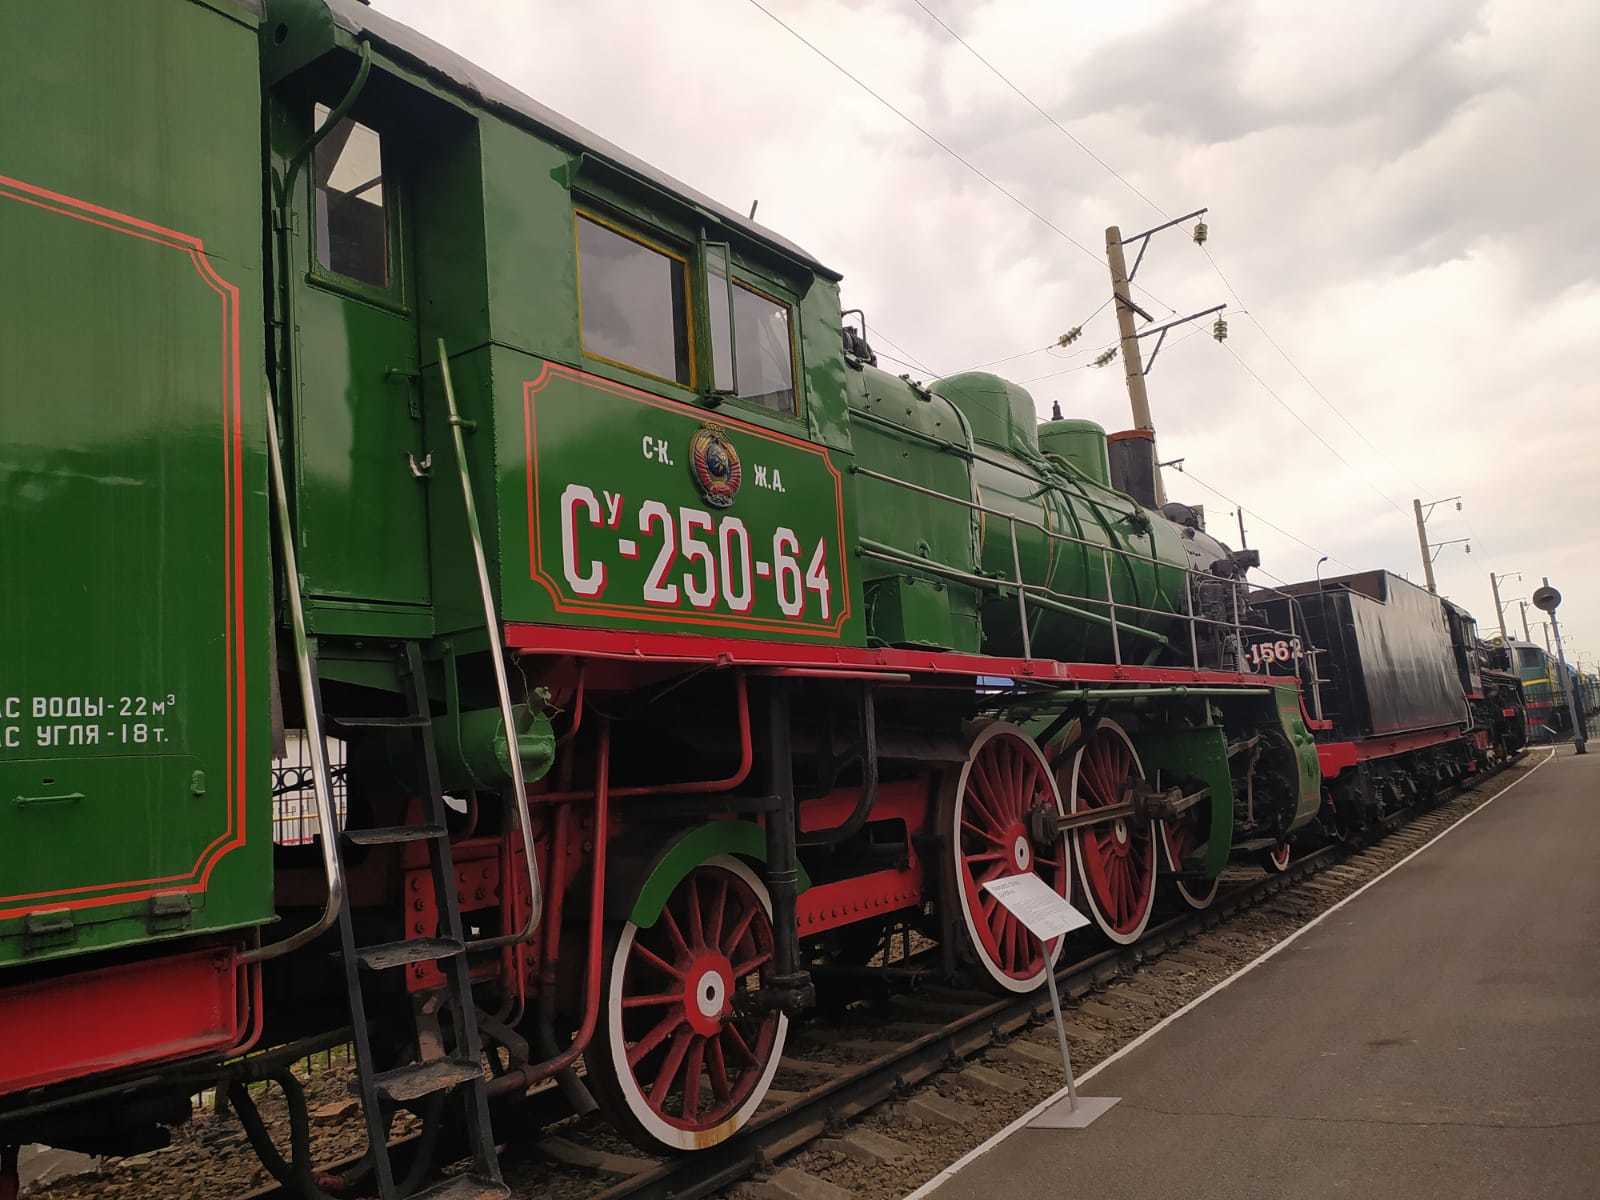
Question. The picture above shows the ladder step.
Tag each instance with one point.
(389, 835)
(415, 1080)
(397, 954)
(463, 1187)
(409, 721)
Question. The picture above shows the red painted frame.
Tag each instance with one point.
(825, 906)
(640, 647)
(155, 1011)
(1337, 757)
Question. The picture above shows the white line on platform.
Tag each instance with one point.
(1144, 1037)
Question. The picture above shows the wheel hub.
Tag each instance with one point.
(1021, 854)
(1119, 830)
(708, 985)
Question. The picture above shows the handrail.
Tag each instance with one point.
(332, 866)
(882, 551)
(327, 826)
(519, 790)
(1041, 594)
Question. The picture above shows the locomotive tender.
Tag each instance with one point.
(663, 650)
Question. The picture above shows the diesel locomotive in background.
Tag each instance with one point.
(651, 650)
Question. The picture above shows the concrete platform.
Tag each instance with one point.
(1437, 1036)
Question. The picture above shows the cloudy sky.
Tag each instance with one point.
(1404, 198)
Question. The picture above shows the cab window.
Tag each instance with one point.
(761, 342)
(633, 302)
(352, 223)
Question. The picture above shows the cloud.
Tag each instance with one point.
(1402, 195)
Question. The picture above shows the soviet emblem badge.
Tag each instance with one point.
(715, 465)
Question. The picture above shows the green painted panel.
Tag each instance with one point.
(360, 510)
(1309, 766)
(901, 432)
(744, 839)
(134, 745)
(1199, 753)
(527, 216)
(604, 522)
(823, 367)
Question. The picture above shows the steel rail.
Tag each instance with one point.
(861, 1087)
(866, 1085)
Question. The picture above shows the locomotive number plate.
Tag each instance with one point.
(646, 510)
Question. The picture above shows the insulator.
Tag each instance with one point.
(1055, 411)
(1200, 233)
(1105, 357)
(1070, 336)
(1219, 330)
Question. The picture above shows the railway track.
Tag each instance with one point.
(917, 1035)
(858, 1088)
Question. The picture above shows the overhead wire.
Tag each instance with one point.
(1176, 342)
(995, 362)
(1256, 515)
(1311, 429)
(1239, 300)
(1029, 100)
(1306, 379)
(945, 146)
(909, 358)
(904, 363)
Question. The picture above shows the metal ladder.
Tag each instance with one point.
(455, 1074)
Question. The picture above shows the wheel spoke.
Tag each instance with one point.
(675, 933)
(655, 960)
(1030, 782)
(739, 1044)
(993, 794)
(986, 834)
(697, 927)
(739, 930)
(1000, 929)
(1019, 790)
(669, 1067)
(720, 1083)
(719, 908)
(751, 964)
(993, 872)
(654, 1001)
(655, 1037)
(693, 1065)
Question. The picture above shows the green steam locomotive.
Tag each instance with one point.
(633, 649)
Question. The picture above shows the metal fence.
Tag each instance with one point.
(294, 797)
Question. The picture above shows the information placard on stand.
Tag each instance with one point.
(1047, 914)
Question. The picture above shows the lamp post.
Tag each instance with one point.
(1547, 599)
